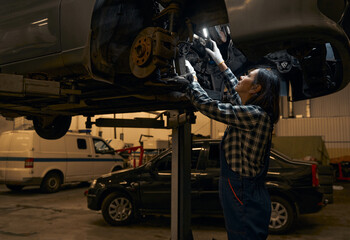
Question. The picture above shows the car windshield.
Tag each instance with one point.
(152, 160)
(279, 154)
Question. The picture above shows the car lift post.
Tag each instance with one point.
(181, 175)
(181, 163)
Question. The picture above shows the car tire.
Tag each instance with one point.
(118, 209)
(52, 183)
(117, 168)
(283, 216)
(15, 188)
(56, 129)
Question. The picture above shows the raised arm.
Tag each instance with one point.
(244, 117)
(230, 80)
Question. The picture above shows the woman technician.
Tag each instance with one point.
(250, 116)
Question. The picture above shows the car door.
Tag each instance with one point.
(5, 140)
(208, 179)
(155, 186)
(79, 158)
(28, 29)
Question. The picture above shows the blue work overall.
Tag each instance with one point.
(245, 201)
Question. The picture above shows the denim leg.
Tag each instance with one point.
(233, 208)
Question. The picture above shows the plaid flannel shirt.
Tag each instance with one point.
(248, 130)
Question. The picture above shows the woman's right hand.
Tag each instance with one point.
(215, 54)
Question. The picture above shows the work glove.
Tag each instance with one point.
(190, 69)
(215, 53)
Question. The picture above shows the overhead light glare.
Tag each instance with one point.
(205, 32)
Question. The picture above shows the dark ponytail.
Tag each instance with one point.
(268, 98)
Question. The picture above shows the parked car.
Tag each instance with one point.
(341, 168)
(62, 58)
(126, 194)
(29, 160)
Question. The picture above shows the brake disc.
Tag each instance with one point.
(153, 48)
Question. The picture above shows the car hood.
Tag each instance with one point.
(122, 174)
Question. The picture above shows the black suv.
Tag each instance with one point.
(123, 195)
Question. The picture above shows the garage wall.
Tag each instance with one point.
(334, 105)
(334, 131)
(329, 117)
(5, 125)
(302, 147)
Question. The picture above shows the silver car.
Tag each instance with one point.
(61, 58)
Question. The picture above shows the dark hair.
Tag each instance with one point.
(268, 97)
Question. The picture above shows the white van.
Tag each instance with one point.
(27, 159)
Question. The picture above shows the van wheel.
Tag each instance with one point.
(117, 209)
(116, 168)
(14, 187)
(51, 183)
(283, 216)
(52, 127)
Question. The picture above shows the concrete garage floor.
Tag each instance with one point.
(31, 215)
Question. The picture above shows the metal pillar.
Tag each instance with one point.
(181, 181)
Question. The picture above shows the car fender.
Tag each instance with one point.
(284, 191)
(75, 33)
(134, 196)
(75, 28)
(53, 169)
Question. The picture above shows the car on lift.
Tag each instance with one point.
(125, 195)
(62, 58)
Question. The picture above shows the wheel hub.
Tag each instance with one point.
(120, 209)
(153, 48)
(274, 215)
(279, 216)
(142, 51)
(52, 183)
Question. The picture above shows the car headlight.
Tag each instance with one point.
(93, 184)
